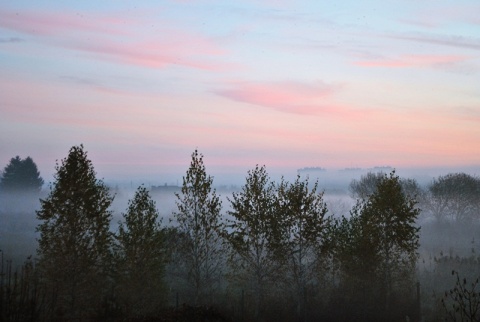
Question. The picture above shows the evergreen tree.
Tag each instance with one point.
(140, 257)
(199, 221)
(75, 241)
(21, 176)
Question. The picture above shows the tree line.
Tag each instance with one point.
(275, 254)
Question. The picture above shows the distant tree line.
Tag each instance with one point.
(274, 254)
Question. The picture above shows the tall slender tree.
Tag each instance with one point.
(199, 220)
(75, 242)
(302, 211)
(140, 257)
(255, 233)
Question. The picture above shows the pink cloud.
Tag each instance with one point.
(273, 94)
(412, 61)
(289, 97)
(185, 51)
(93, 33)
(48, 23)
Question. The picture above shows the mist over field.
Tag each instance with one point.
(444, 206)
(18, 218)
(333, 182)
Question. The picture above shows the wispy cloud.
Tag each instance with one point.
(434, 17)
(289, 97)
(49, 23)
(96, 85)
(451, 41)
(412, 61)
(4, 40)
(130, 79)
(118, 39)
(185, 50)
(292, 97)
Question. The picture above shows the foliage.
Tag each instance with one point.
(462, 302)
(255, 233)
(288, 259)
(377, 246)
(390, 216)
(140, 257)
(367, 185)
(75, 241)
(302, 211)
(412, 189)
(199, 219)
(455, 196)
(21, 175)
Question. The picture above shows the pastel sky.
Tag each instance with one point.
(288, 84)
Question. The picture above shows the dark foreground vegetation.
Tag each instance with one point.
(274, 253)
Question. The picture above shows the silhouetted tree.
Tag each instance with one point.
(455, 196)
(255, 234)
(367, 185)
(75, 242)
(413, 190)
(302, 211)
(140, 257)
(21, 176)
(199, 219)
(462, 302)
(377, 245)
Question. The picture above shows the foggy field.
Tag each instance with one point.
(18, 221)
(445, 245)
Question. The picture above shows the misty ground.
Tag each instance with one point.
(18, 222)
(444, 246)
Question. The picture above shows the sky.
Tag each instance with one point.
(286, 84)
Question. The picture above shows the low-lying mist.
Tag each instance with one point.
(18, 218)
(446, 243)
